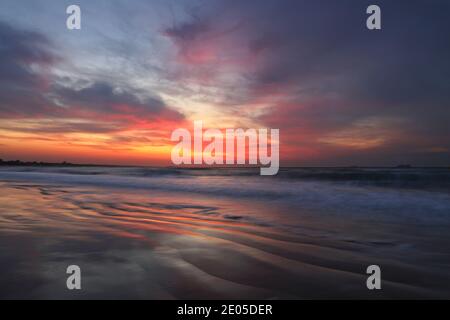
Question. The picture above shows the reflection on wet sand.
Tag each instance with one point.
(160, 245)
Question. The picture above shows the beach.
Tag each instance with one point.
(164, 233)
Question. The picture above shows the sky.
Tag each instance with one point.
(113, 92)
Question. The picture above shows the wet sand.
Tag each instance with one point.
(148, 244)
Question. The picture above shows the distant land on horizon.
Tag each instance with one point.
(50, 164)
(69, 164)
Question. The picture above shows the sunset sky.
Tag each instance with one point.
(113, 91)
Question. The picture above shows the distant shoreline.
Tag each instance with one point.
(51, 164)
(19, 163)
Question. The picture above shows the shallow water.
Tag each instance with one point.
(164, 233)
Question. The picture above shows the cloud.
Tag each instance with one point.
(25, 56)
(317, 73)
(103, 100)
(309, 68)
(29, 90)
(57, 126)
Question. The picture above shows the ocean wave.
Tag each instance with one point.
(313, 195)
(397, 177)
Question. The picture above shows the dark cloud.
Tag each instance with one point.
(104, 99)
(22, 48)
(28, 90)
(324, 46)
(330, 73)
(22, 53)
(188, 31)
